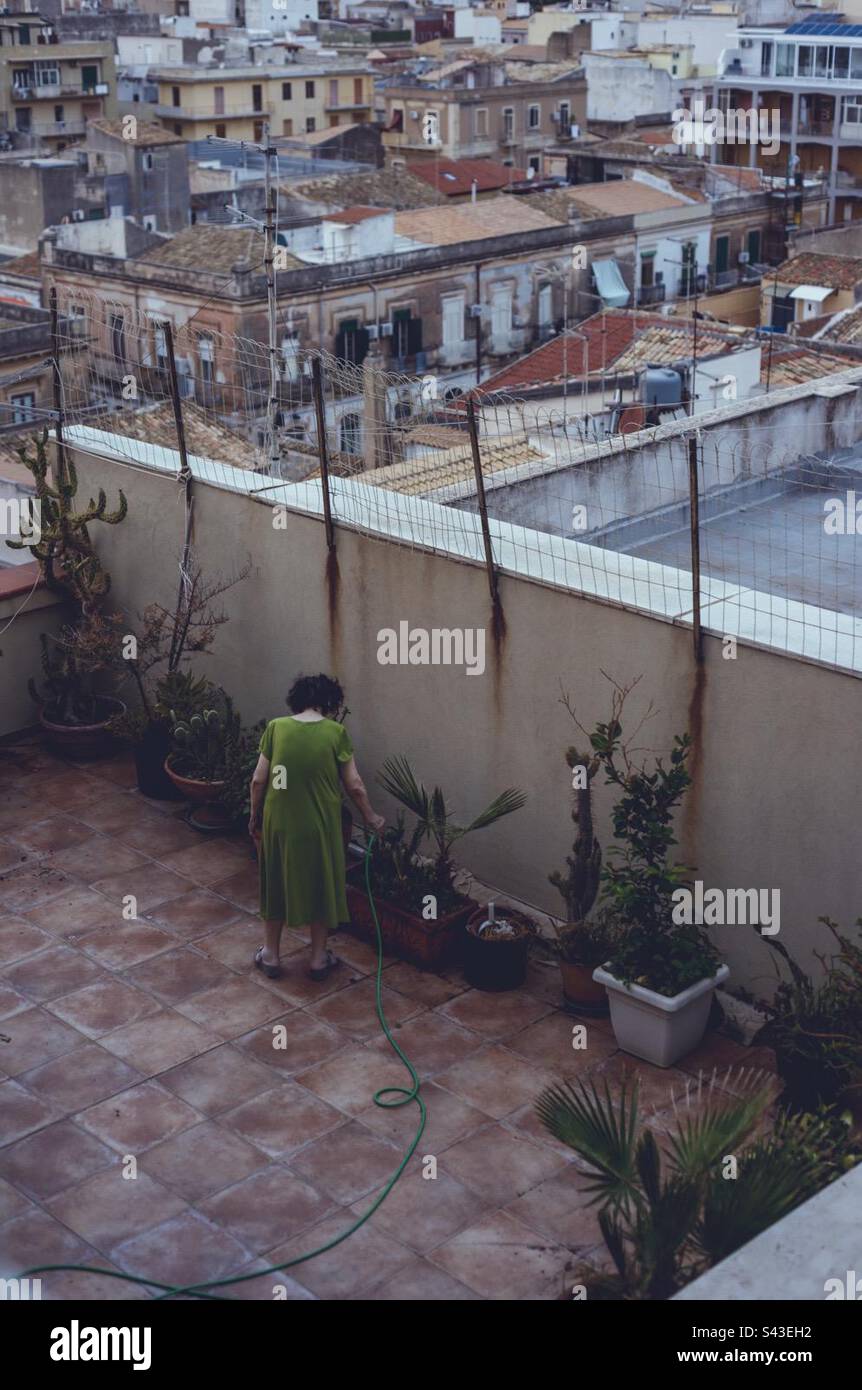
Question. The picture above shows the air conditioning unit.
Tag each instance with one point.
(475, 311)
(746, 43)
(78, 215)
(744, 258)
(386, 330)
(373, 332)
(659, 277)
(414, 115)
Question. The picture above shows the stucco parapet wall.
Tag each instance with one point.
(792, 628)
(321, 277)
(835, 385)
(794, 1259)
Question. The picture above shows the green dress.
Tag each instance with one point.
(302, 852)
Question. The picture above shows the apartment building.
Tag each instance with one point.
(472, 108)
(810, 74)
(50, 90)
(234, 102)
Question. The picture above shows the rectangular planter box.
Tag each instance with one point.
(430, 945)
(655, 1027)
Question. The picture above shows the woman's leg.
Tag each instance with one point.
(272, 941)
(319, 933)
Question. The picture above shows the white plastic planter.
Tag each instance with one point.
(653, 1026)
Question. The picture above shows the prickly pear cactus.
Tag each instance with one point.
(579, 888)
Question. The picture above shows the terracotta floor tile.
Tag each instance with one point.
(101, 1007)
(53, 1159)
(89, 859)
(348, 1163)
(526, 1123)
(108, 1208)
(23, 889)
(195, 914)
(36, 1238)
(360, 956)
(353, 1011)
(124, 944)
(433, 1043)
(19, 806)
(54, 834)
(501, 1258)
(64, 1285)
(81, 1078)
(154, 834)
(177, 975)
(240, 887)
(544, 983)
(12, 1203)
(494, 1015)
(231, 1009)
(115, 811)
(235, 945)
(35, 1037)
(449, 1119)
(159, 1042)
(72, 790)
(656, 1085)
(498, 1165)
(267, 1288)
(22, 1112)
(423, 985)
(121, 770)
(282, 1120)
(292, 1042)
(202, 1160)
(19, 939)
(187, 1249)
(13, 856)
(349, 1079)
(548, 1043)
(294, 985)
(209, 862)
(423, 1212)
(150, 885)
(420, 1282)
(268, 1207)
(218, 1080)
(351, 1270)
(495, 1081)
(53, 972)
(11, 1000)
(74, 913)
(559, 1208)
(132, 1120)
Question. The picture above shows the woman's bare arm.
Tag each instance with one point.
(258, 786)
(355, 788)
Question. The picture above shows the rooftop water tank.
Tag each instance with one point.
(661, 386)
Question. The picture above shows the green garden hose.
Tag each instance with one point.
(403, 1097)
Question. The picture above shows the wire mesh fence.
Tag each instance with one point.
(577, 491)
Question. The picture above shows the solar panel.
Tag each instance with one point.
(824, 28)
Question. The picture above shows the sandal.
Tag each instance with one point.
(323, 971)
(272, 972)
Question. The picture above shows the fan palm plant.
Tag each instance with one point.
(667, 1216)
(434, 817)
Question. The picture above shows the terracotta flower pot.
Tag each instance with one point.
(194, 790)
(580, 991)
(83, 742)
(428, 944)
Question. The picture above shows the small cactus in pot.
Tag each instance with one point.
(201, 743)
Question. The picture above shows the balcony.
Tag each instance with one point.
(651, 294)
(197, 113)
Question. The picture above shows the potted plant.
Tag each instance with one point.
(581, 947)
(75, 706)
(815, 1028)
(240, 761)
(661, 975)
(667, 1212)
(422, 913)
(198, 763)
(165, 641)
(496, 946)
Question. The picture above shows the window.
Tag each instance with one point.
(206, 357)
(309, 91)
(47, 75)
(501, 311)
(160, 346)
(350, 434)
(23, 408)
(565, 116)
(150, 222)
(287, 127)
(310, 124)
(286, 91)
(753, 245)
(688, 274)
(178, 129)
(453, 320)
(290, 357)
(118, 338)
(534, 117)
(648, 259)
(821, 60)
(221, 131)
(841, 64)
(22, 119)
(175, 96)
(256, 97)
(806, 60)
(481, 122)
(855, 63)
(508, 123)
(406, 334)
(24, 34)
(257, 131)
(218, 100)
(765, 59)
(351, 342)
(851, 111)
(546, 308)
(59, 115)
(147, 162)
(535, 163)
(722, 254)
(333, 91)
(358, 94)
(785, 57)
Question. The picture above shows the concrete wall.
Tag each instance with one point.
(20, 652)
(776, 797)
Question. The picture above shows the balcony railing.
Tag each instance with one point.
(651, 294)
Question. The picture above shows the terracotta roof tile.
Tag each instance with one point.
(813, 268)
(447, 226)
(455, 176)
(147, 132)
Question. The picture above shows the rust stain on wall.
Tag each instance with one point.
(333, 593)
(691, 806)
(499, 634)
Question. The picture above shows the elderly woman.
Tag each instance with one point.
(305, 760)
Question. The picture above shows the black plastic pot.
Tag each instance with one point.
(150, 756)
(495, 964)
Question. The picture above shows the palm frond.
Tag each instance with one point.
(396, 777)
(502, 805)
(711, 1122)
(599, 1132)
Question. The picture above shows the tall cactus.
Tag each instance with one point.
(71, 567)
(203, 741)
(580, 886)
